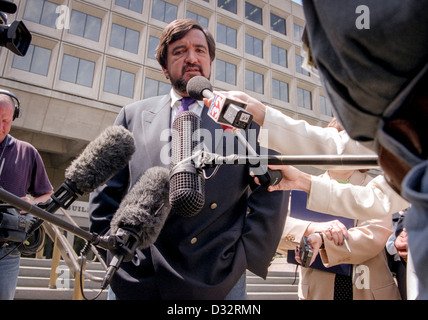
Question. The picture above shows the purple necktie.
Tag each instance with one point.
(185, 103)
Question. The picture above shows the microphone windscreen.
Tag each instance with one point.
(145, 207)
(196, 86)
(187, 187)
(101, 159)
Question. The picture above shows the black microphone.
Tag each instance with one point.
(199, 88)
(187, 186)
(100, 160)
(140, 217)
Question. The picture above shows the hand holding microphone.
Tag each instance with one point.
(222, 110)
(232, 116)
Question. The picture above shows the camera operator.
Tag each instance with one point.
(22, 173)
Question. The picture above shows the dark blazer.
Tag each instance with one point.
(201, 257)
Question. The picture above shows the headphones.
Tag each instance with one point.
(17, 111)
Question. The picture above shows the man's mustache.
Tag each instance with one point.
(191, 66)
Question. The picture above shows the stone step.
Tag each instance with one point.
(280, 284)
(272, 278)
(43, 272)
(34, 275)
(279, 287)
(47, 263)
(43, 282)
(272, 296)
(32, 293)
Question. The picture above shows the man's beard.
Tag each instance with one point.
(180, 85)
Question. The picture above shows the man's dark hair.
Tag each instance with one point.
(177, 30)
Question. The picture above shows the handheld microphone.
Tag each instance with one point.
(227, 112)
(222, 110)
(140, 217)
(187, 186)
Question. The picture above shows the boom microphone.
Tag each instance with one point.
(99, 161)
(102, 158)
(140, 217)
(187, 186)
(222, 109)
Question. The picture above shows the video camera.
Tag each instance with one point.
(19, 229)
(14, 36)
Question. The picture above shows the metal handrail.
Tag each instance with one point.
(67, 252)
(93, 248)
(76, 264)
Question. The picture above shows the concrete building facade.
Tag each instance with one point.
(90, 58)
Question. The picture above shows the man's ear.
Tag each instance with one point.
(165, 72)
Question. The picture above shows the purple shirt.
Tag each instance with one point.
(23, 170)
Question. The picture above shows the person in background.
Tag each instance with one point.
(23, 174)
(370, 279)
(362, 246)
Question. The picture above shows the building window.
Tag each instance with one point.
(254, 81)
(253, 46)
(226, 35)
(153, 88)
(279, 56)
(304, 98)
(298, 32)
(203, 21)
(225, 71)
(134, 5)
(36, 60)
(76, 70)
(119, 82)
(42, 12)
(253, 13)
(229, 5)
(325, 107)
(280, 90)
(277, 24)
(153, 44)
(299, 68)
(85, 25)
(124, 38)
(164, 11)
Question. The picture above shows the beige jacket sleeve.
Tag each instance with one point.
(297, 137)
(292, 234)
(366, 241)
(375, 200)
